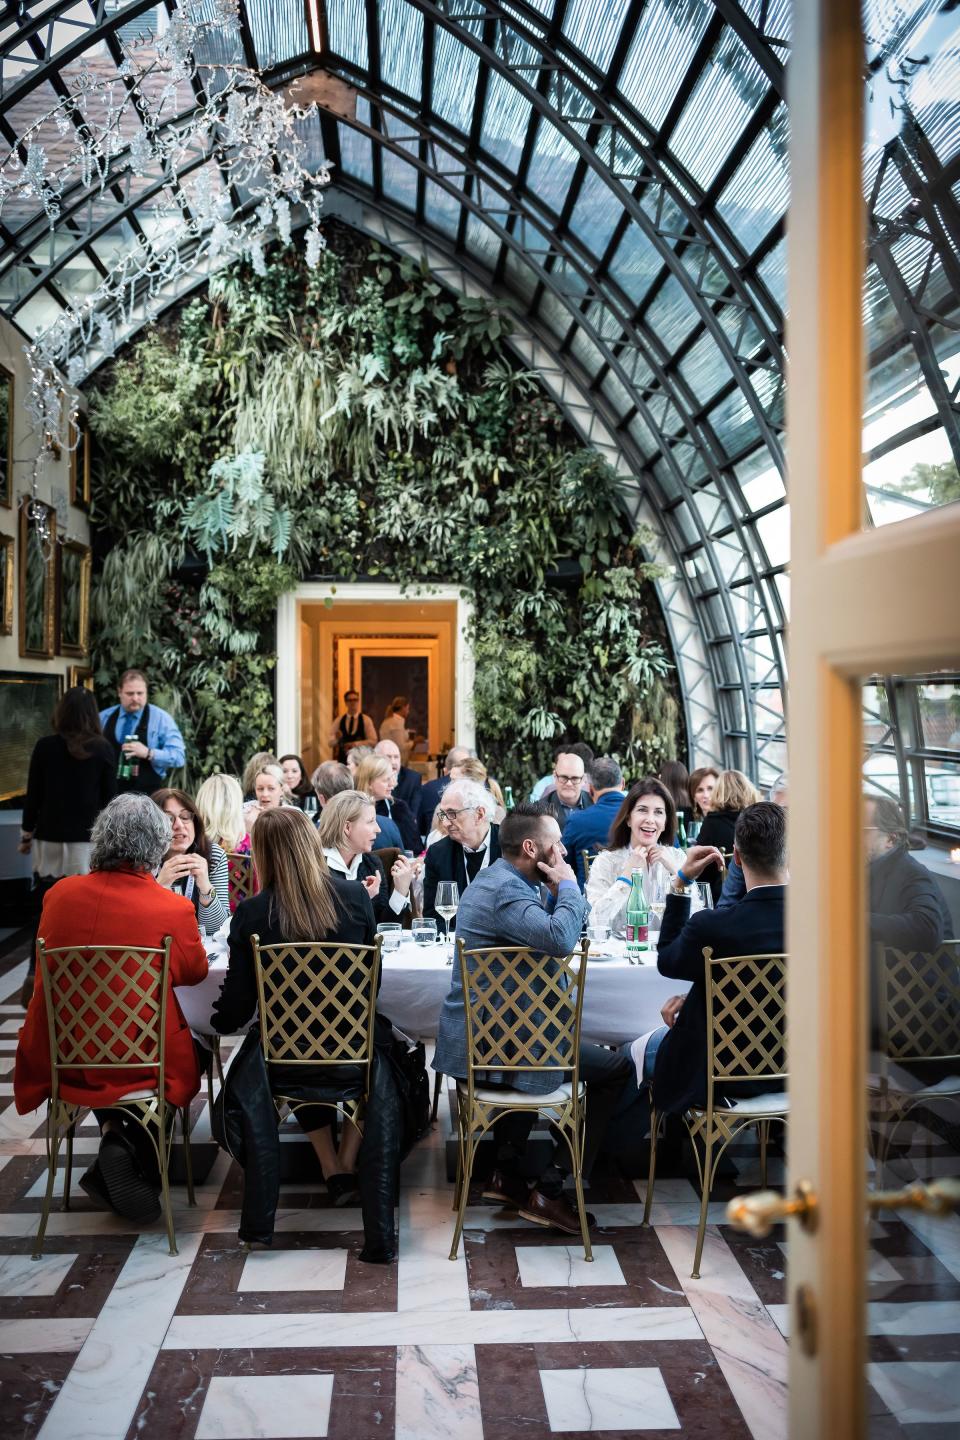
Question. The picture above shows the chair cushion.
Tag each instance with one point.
(504, 1095)
(773, 1104)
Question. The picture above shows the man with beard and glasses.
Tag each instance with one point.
(502, 906)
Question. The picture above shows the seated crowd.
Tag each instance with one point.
(362, 842)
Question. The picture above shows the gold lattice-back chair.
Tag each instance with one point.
(522, 1018)
(241, 877)
(317, 1005)
(106, 1011)
(746, 1025)
(919, 1031)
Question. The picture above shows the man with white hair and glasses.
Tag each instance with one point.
(471, 842)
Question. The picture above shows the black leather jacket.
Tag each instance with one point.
(245, 1125)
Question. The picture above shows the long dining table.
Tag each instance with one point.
(621, 1000)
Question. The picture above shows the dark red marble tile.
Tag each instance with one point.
(87, 1284)
(364, 1387)
(215, 1275)
(29, 1384)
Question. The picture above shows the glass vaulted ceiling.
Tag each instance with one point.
(617, 169)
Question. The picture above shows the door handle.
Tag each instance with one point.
(758, 1213)
(939, 1197)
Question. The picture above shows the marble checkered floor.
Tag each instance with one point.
(109, 1337)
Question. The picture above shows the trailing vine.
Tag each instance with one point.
(361, 420)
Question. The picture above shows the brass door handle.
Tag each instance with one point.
(758, 1213)
(937, 1198)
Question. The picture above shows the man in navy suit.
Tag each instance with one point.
(676, 1054)
(503, 906)
(429, 794)
(589, 829)
(470, 845)
(408, 783)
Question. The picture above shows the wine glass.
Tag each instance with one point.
(658, 884)
(446, 905)
(701, 896)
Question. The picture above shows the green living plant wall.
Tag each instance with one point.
(359, 420)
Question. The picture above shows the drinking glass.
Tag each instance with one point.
(424, 931)
(658, 885)
(597, 933)
(701, 896)
(446, 905)
(390, 936)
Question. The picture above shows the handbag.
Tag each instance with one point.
(408, 1061)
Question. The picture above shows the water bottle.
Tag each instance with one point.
(508, 801)
(638, 921)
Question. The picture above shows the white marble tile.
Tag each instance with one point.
(43, 1337)
(565, 1265)
(940, 1234)
(880, 1270)
(294, 1270)
(12, 983)
(22, 1275)
(426, 1276)
(438, 1393)
(625, 1399)
(892, 1317)
(262, 1407)
(750, 1350)
(440, 1327)
(19, 1127)
(99, 1397)
(919, 1392)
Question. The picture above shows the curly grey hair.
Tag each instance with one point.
(131, 833)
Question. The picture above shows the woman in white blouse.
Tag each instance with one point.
(641, 838)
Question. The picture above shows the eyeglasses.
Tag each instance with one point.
(452, 814)
(567, 779)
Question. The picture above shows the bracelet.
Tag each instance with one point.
(682, 878)
(625, 879)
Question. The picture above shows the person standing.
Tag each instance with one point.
(72, 776)
(394, 725)
(352, 728)
(145, 740)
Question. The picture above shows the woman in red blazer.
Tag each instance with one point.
(118, 903)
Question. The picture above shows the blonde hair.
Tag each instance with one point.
(289, 861)
(220, 803)
(733, 792)
(339, 812)
(371, 768)
(473, 769)
(253, 767)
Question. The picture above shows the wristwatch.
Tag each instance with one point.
(205, 899)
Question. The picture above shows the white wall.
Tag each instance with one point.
(54, 488)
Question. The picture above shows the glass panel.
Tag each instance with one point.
(663, 46)
(756, 196)
(279, 31)
(726, 95)
(911, 437)
(912, 894)
(347, 28)
(594, 29)
(506, 115)
(454, 80)
(401, 46)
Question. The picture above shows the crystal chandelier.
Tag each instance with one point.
(242, 139)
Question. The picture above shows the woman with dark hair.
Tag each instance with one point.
(72, 776)
(641, 838)
(193, 866)
(675, 777)
(298, 785)
(299, 900)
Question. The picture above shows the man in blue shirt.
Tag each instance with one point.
(502, 906)
(146, 736)
(589, 829)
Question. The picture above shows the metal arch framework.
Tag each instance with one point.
(689, 478)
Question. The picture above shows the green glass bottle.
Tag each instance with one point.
(508, 800)
(638, 920)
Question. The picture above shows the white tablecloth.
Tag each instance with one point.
(621, 1000)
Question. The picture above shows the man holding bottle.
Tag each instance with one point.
(145, 739)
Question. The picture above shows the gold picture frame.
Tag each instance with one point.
(73, 599)
(80, 675)
(6, 437)
(37, 587)
(80, 463)
(7, 552)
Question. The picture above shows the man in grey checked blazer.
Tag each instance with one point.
(502, 906)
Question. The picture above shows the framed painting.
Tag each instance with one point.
(80, 675)
(26, 706)
(73, 599)
(6, 584)
(38, 583)
(6, 437)
(80, 463)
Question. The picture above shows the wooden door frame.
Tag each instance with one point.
(863, 601)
